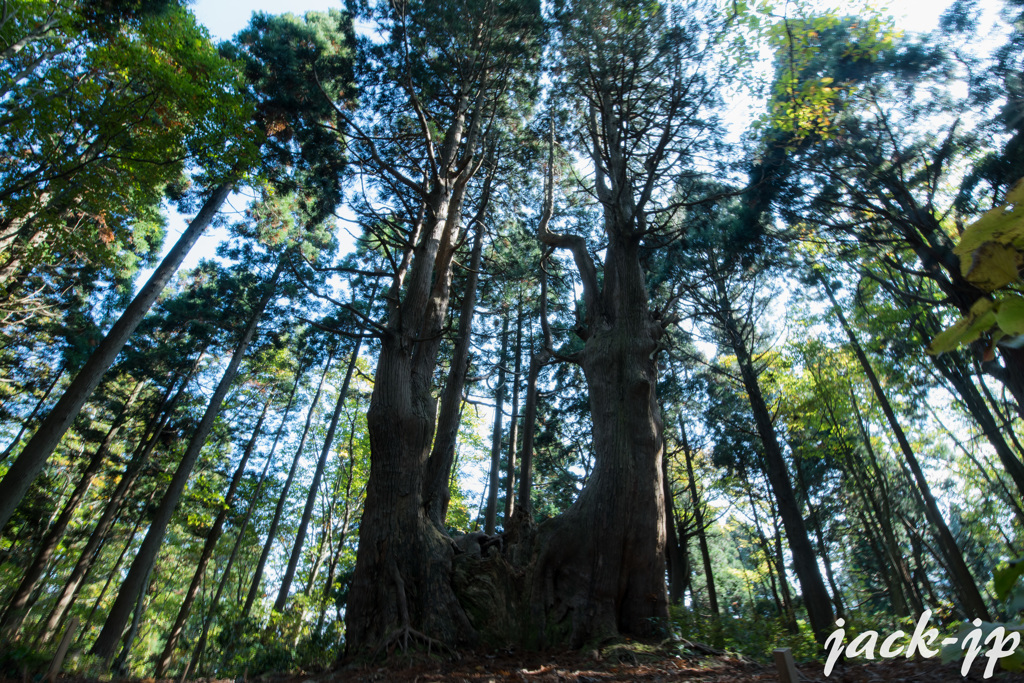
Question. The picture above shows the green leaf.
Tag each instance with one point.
(1005, 576)
(1010, 315)
(979, 319)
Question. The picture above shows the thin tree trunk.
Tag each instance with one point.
(131, 472)
(673, 547)
(524, 504)
(698, 514)
(32, 416)
(32, 459)
(816, 598)
(116, 571)
(307, 513)
(951, 367)
(966, 587)
(499, 407)
(133, 630)
(133, 583)
(283, 498)
(15, 612)
(513, 427)
(197, 651)
(164, 661)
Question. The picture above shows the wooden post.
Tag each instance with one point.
(62, 651)
(784, 663)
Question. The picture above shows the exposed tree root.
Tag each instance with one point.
(403, 635)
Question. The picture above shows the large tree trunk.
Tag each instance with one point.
(606, 554)
(401, 586)
(314, 488)
(134, 582)
(30, 462)
(439, 465)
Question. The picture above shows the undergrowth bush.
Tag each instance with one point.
(753, 636)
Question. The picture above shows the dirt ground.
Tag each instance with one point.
(582, 667)
(579, 667)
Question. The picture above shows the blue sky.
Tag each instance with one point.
(225, 19)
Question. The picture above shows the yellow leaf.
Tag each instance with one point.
(1010, 315)
(1003, 224)
(991, 266)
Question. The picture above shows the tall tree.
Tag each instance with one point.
(451, 70)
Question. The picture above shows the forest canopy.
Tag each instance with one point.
(531, 326)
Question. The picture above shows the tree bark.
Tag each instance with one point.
(33, 457)
(283, 498)
(133, 583)
(164, 661)
(16, 606)
(307, 513)
(490, 514)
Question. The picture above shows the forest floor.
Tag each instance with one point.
(582, 667)
(578, 667)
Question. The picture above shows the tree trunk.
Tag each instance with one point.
(816, 598)
(133, 583)
(513, 427)
(401, 587)
(131, 472)
(283, 498)
(307, 513)
(32, 416)
(164, 661)
(606, 553)
(32, 459)
(673, 547)
(439, 465)
(116, 571)
(499, 407)
(197, 651)
(951, 367)
(15, 612)
(698, 513)
(966, 587)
